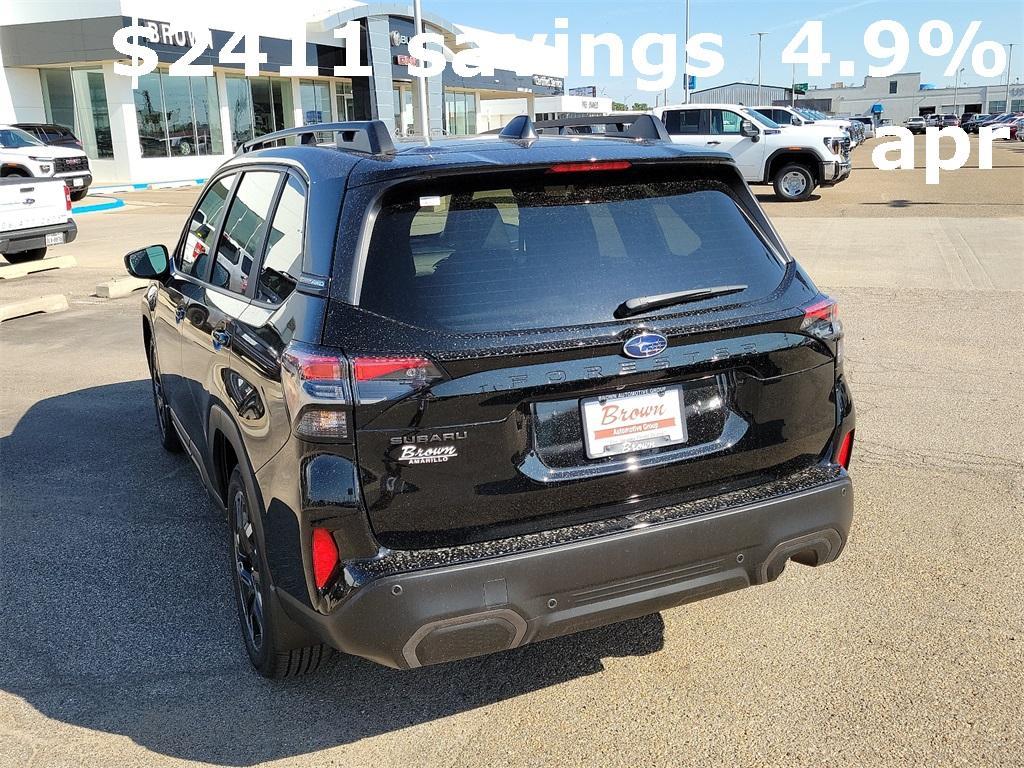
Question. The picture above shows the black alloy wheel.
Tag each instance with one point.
(168, 435)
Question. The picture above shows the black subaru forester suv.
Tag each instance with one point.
(461, 396)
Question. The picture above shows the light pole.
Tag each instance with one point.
(686, 56)
(760, 36)
(1009, 60)
(421, 82)
(956, 90)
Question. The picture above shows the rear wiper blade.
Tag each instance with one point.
(641, 304)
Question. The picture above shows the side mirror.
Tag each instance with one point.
(749, 130)
(150, 263)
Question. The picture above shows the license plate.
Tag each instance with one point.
(77, 182)
(633, 421)
(56, 238)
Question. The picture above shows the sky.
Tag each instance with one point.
(737, 20)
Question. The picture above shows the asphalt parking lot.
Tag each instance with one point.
(119, 643)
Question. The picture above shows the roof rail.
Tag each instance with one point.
(368, 137)
(519, 128)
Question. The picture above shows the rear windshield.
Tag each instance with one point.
(552, 250)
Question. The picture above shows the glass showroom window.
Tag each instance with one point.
(178, 116)
(316, 104)
(345, 100)
(996, 107)
(77, 99)
(460, 113)
(258, 105)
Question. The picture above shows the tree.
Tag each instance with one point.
(618, 106)
(639, 106)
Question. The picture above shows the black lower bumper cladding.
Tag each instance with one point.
(409, 609)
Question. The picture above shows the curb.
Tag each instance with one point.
(54, 302)
(42, 265)
(94, 207)
(150, 185)
(119, 287)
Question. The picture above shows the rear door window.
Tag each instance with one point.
(551, 252)
(244, 230)
(194, 257)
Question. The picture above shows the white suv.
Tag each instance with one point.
(22, 154)
(794, 162)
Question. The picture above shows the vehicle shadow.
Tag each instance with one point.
(769, 197)
(116, 612)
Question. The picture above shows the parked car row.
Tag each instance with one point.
(801, 117)
(971, 122)
(22, 154)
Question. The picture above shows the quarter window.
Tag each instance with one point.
(244, 230)
(282, 262)
(194, 257)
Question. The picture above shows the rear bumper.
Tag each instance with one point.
(18, 240)
(439, 614)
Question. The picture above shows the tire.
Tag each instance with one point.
(793, 183)
(260, 617)
(21, 257)
(168, 434)
(79, 194)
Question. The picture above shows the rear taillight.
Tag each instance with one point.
(390, 378)
(821, 319)
(316, 390)
(67, 197)
(325, 556)
(845, 452)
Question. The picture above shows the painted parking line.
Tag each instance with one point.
(94, 207)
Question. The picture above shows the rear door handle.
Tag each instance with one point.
(220, 338)
(179, 313)
(714, 142)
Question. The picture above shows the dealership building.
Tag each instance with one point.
(57, 66)
(894, 98)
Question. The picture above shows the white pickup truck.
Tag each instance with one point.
(34, 214)
(794, 161)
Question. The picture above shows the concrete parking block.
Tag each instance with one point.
(54, 302)
(119, 287)
(7, 271)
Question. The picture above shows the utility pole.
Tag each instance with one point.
(1009, 60)
(686, 56)
(760, 37)
(956, 91)
(792, 91)
(422, 116)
